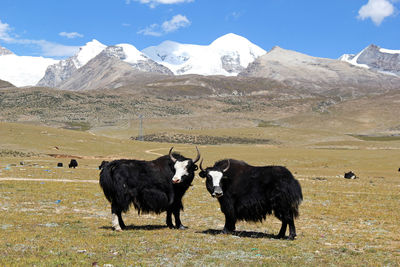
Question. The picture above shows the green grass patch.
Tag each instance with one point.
(380, 138)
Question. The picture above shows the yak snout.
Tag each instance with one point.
(217, 192)
(176, 180)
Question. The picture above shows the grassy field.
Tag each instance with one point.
(59, 216)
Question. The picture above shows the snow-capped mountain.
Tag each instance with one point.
(113, 67)
(5, 51)
(56, 74)
(227, 55)
(376, 58)
(22, 70)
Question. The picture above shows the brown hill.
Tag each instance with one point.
(320, 75)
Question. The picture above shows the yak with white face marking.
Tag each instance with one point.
(151, 186)
(250, 193)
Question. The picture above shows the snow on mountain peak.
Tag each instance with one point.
(132, 55)
(87, 52)
(227, 55)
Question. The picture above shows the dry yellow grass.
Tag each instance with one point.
(342, 222)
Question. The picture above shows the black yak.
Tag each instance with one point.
(73, 164)
(250, 193)
(350, 175)
(151, 186)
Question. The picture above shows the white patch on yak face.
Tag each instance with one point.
(180, 170)
(216, 177)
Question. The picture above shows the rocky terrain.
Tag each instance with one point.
(376, 58)
(319, 75)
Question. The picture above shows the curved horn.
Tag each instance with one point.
(198, 156)
(227, 167)
(201, 167)
(170, 155)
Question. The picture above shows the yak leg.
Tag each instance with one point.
(117, 222)
(292, 229)
(178, 223)
(283, 229)
(169, 219)
(230, 218)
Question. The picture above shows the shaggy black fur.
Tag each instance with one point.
(103, 164)
(250, 193)
(147, 185)
(73, 163)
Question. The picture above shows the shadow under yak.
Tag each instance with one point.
(250, 234)
(138, 227)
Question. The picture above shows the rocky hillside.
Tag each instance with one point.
(114, 68)
(376, 58)
(4, 84)
(319, 75)
(60, 72)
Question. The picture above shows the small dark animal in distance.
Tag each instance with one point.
(350, 175)
(59, 164)
(73, 164)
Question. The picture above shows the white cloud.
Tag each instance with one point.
(47, 48)
(154, 3)
(4, 32)
(71, 35)
(152, 30)
(177, 22)
(376, 10)
(234, 15)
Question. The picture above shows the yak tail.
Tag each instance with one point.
(107, 183)
(296, 197)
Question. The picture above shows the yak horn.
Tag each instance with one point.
(170, 155)
(198, 156)
(201, 167)
(227, 167)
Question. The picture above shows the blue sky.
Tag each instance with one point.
(55, 28)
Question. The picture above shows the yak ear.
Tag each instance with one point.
(202, 174)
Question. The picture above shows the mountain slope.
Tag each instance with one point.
(4, 84)
(5, 51)
(115, 66)
(227, 55)
(56, 74)
(376, 58)
(319, 75)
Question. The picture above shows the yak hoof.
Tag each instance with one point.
(226, 231)
(170, 226)
(182, 227)
(292, 237)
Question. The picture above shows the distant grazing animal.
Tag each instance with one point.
(59, 164)
(151, 186)
(103, 163)
(350, 175)
(73, 163)
(399, 169)
(250, 193)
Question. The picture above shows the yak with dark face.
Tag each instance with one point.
(250, 193)
(151, 186)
